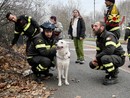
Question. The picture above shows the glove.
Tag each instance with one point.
(53, 51)
(27, 72)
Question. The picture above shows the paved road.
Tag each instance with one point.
(87, 83)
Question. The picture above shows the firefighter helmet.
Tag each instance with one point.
(48, 26)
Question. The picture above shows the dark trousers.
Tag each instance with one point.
(28, 44)
(40, 64)
(109, 63)
(128, 48)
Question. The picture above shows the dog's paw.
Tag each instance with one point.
(59, 84)
(66, 83)
(63, 77)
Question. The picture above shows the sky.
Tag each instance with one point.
(87, 6)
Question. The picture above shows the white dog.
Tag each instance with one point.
(62, 61)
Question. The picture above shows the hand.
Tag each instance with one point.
(81, 38)
(53, 51)
(95, 62)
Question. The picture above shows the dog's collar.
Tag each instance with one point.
(63, 58)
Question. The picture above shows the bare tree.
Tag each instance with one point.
(124, 10)
(35, 8)
(63, 12)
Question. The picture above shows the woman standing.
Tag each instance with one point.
(77, 33)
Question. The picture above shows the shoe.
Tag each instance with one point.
(47, 76)
(77, 61)
(81, 62)
(40, 77)
(116, 72)
(113, 74)
(110, 81)
(37, 78)
(128, 66)
(107, 76)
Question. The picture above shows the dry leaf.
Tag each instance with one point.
(2, 85)
(17, 86)
(34, 93)
(78, 97)
(47, 94)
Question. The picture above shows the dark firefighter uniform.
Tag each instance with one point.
(27, 26)
(41, 54)
(112, 20)
(110, 55)
(127, 36)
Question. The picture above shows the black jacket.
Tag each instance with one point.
(27, 26)
(108, 44)
(42, 46)
(127, 34)
(80, 28)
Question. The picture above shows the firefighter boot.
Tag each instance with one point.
(77, 61)
(36, 75)
(116, 72)
(38, 78)
(111, 78)
(47, 75)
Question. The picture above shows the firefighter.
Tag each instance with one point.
(110, 54)
(24, 25)
(42, 51)
(58, 27)
(127, 36)
(112, 18)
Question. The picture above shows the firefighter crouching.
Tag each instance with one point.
(24, 25)
(110, 54)
(127, 36)
(112, 18)
(42, 51)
